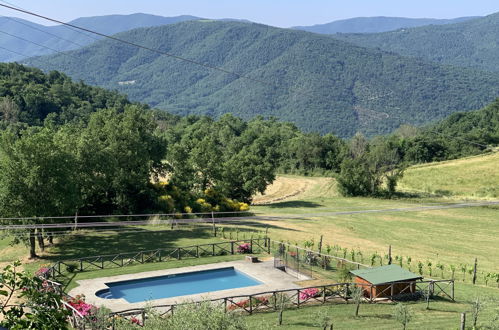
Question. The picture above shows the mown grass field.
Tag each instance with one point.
(472, 177)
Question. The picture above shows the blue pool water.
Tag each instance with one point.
(152, 288)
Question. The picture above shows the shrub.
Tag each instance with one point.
(309, 293)
(244, 248)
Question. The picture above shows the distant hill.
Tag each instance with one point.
(321, 84)
(376, 24)
(109, 24)
(473, 43)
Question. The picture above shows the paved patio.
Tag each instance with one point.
(272, 279)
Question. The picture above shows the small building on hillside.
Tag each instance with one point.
(385, 281)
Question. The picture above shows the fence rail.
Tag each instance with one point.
(60, 268)
(295, 298)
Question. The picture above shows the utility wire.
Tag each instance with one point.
(157, 51)
(82, 33)
(35, 43)
(182, 58)
(13, 51)
(46, 32)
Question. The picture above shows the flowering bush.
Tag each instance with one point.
(308, 293)
(244, 248)
(256, 301)
(135, 320)
(42, 272)
(81, 306)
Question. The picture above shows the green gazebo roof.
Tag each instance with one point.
(385, 274)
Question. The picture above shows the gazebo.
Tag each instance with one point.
(385, 281)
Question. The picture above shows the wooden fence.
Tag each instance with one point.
(61, 268)
(295, 298)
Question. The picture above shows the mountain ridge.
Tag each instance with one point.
(472, 43)
(351, 88)
(377, 24)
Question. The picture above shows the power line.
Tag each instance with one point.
(35, 43)
(103, 216)
(185, 59)
(13, 51)
(145, 47)
(241, 220)
(37, 29)
(84, 34)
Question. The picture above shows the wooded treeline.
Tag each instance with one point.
(67, 148)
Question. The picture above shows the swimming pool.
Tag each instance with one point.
(167, 286)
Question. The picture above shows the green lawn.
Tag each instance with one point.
(443, 314)
(472, 177)
(88, 243)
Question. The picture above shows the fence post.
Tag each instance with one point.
(159, 255)
(389, 254)
(251, 245)
(268, 245)
(213, 221)
(251, 304)
(225, 305)
(474, 271)
(197, 251)
(143, 317)
(232, 247)
(463, 321)
(213, 249)
(298, 298)
(452, 289)
(81, 265)
(275, 300)
(347, 288)
(178, 254)
(320, 245)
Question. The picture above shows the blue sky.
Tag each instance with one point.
(283, 13)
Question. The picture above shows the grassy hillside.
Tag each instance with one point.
(321, 84)
(473, 177)
(376, 24)
(62, 38)
(471, 43)
(417, 234)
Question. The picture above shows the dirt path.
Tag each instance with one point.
(290, 187)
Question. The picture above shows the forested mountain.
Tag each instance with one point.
(473, 43)
(376, 24)
(68, 38)
(319, 83)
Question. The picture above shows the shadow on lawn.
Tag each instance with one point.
(114, 241)
(294, 204)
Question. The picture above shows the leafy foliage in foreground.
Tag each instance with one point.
(200, 316)
(26, 302)
(321, 84)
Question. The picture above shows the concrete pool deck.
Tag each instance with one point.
(271, 278)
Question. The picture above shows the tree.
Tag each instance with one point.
(36, 178)
(402, 314)
(357, 295)
(118, 154)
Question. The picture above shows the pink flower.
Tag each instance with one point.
(308, 293)
(244, 248)
(42, 271)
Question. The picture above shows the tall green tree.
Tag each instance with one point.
(36, 178)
